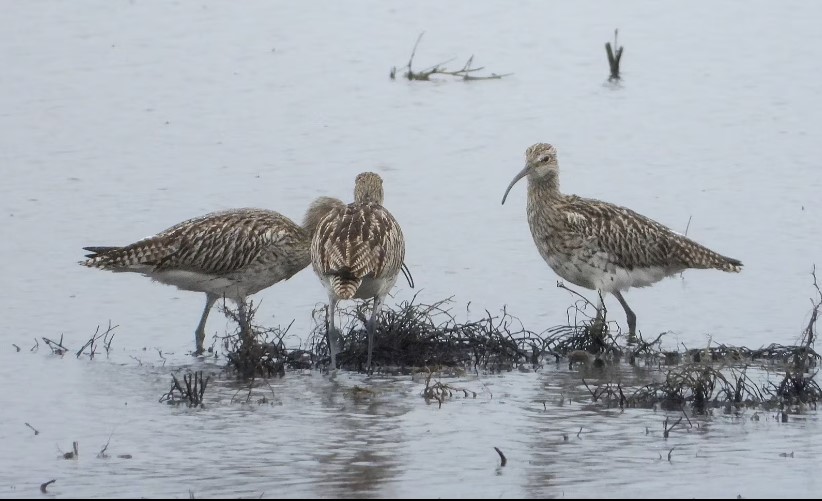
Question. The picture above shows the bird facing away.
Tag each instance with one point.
(357, 252)
(602, 246)
(232, 254)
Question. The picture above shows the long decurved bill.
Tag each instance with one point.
(519, 176)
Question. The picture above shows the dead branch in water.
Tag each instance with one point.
(56, 348)
(465, 73)
(73, 454)
(36, 432)
(191, 394)
(45, 485)
(107, 336)
(667, 430)
(614, 58)
(809, 335)
(799, 385)
(502, 459)
(260, 352)
(102, 454)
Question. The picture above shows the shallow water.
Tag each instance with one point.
(120, 118)
(305, 435)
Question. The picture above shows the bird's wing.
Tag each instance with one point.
(627, 238)
(216, 243)
(229, 241)
(358, 240)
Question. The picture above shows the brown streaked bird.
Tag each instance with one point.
(232, 254)
(602, 246)
(358, 252)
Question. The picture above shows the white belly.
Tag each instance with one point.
(598, 273)
(235, 285)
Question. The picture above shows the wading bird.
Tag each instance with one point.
(602, 246)
(357, 253)
(232, 254)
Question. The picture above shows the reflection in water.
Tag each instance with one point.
(305, 435)
(359, 455)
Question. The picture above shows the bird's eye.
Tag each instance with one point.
(544, 159)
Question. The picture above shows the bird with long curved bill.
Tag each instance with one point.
(602, 246)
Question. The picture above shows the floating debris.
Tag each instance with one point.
(467, 72)
(190, 392)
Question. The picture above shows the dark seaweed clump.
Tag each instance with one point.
(414, 337)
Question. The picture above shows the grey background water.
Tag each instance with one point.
(120, 118)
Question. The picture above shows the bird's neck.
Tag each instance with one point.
(368, 194)
(543, 188)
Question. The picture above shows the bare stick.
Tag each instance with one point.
(668, 430)
(439, 69)
(593, 393)
(809, 330)
(60, 349)
(502, 460)
(614, 57)
(32, 428)
(102, 454)
(45, 485)
(414, 50)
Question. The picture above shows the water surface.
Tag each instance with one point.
(121, 118)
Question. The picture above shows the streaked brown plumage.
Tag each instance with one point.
(232, 254)
(357, 252)
(599, 245)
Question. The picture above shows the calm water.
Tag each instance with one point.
(121, 118)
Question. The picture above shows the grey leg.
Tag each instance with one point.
(629, 313)
(199, 334)
(372, 327)
(245, 328)
(332, 332)
(600, 317)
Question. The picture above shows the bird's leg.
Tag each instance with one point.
(598, 326)
(332, 333)
(245, 328)
(199, 334)
(631, 317)
(372, 328)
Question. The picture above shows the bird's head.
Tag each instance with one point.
(540, 161)
(368, 188)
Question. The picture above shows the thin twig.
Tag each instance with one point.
(502, 460)
(45, 485)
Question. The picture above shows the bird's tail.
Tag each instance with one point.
(344, 283)
(729, 264)
(129, 258)
(99, 256)
(702, 257)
